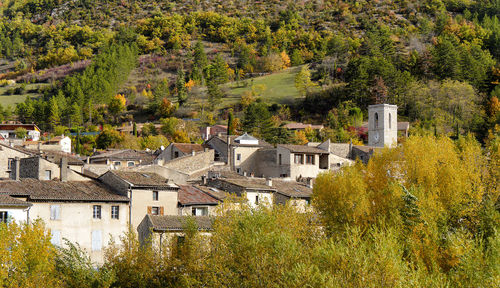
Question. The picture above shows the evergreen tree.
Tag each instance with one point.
(180, 85)
(215, 94)
(200, 62)
(217, 72)
(75, 115)
(54, 116)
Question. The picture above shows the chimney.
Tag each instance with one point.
(204, 179)
(17, 169)
(269, 182)
(63, 169)
(310, 182)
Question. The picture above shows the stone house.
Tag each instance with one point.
(159, 231)
(195, 202)
(36, 167)
(12, 209)
(215, 130)
(85, 212)
(254, 192)
(176, 150)
(118, 159)
(8, 131)
(7, 156)
(149, 193)
(241, 148)
(58, 143)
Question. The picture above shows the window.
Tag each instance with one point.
(48, 174)
(4, 216)
(256, 199)
(200, 211)
(376, 120)
(299, 159)
(96, 240)
(96, 212)
(279, 159)
(10, 164)
(238, 170)
(115, 212)
(155, 195)
(238, 157)
(55, 237)
(55, 212)
(117, 163)
(130, 164)
(390, 117)
(176, 154)
(155, 210)
(310, 159)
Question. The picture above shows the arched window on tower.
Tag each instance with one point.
(390, 120)
(376, 120)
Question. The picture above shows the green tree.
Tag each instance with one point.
(180, 85)
(200, 62)
(54, 116)
(303, 80)
(21, 133)
(217, 71)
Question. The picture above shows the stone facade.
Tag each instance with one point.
(41, 169)
(7, 157)
(382, 125)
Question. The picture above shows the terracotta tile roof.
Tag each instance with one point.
(143, 178)
(190, 195)
(292, 189)
(18, 149)
(289, 188)
(188, 148)
(55, 157)
(54, 190)
(128, 154)
(15, 126)
(303, 149)
(6, 200)
(214, 192)
(177, 223)
(250, 183)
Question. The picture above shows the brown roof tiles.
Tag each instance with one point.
(177, 223)
(190, 195)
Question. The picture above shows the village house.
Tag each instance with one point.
(36, 167)
(215, 130)
(176, 150)
(194, 202)
(296, 126)
(122, 158)
(12, 209)
(149, 193)
(241, 149)
(159, 231)
(7, 156)
(8, 131)
(84, 212)
(58, 143)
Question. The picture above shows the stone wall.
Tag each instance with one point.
(115, 183)
(191, 163)
(7, 153)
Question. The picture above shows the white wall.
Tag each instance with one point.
(17, 214)
(264, 198)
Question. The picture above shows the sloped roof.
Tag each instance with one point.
(6, 200)
(55, 157)
(261, 143)
(143, 178)
(127, 154)
(54, 190)
(190, 195)
(292, 188)
(188, 148)
(177, 223)
(11, 127)
(303, 149)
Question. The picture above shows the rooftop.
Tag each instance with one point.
(127, 154)
(190, 195)
(54, 190)
(296, 125)
(261, 143)
(6, 200)
(188, 148)
(177, 223)
(143, 178)
(11, 127)
(303, 149)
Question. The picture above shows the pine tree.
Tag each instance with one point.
(200, 62)
(214, 94)
(217, 72)
(75, 115)
(54, 116)
(180, 85)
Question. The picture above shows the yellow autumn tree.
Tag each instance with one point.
(285, 59)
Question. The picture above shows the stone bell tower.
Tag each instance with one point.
(383, 125)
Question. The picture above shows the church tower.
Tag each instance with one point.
(383, 125)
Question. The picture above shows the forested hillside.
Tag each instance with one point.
(436, 59)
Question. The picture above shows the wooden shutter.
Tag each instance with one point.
(96, 240)
(161, 210)
(149, 209)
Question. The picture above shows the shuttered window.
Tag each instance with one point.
(55, 212)
(96, 240)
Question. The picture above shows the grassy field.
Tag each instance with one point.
(11, 100)
(278, 88)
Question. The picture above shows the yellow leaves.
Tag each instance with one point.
(190, 84)
(285, 59)
(121, 98)
(299, 137)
